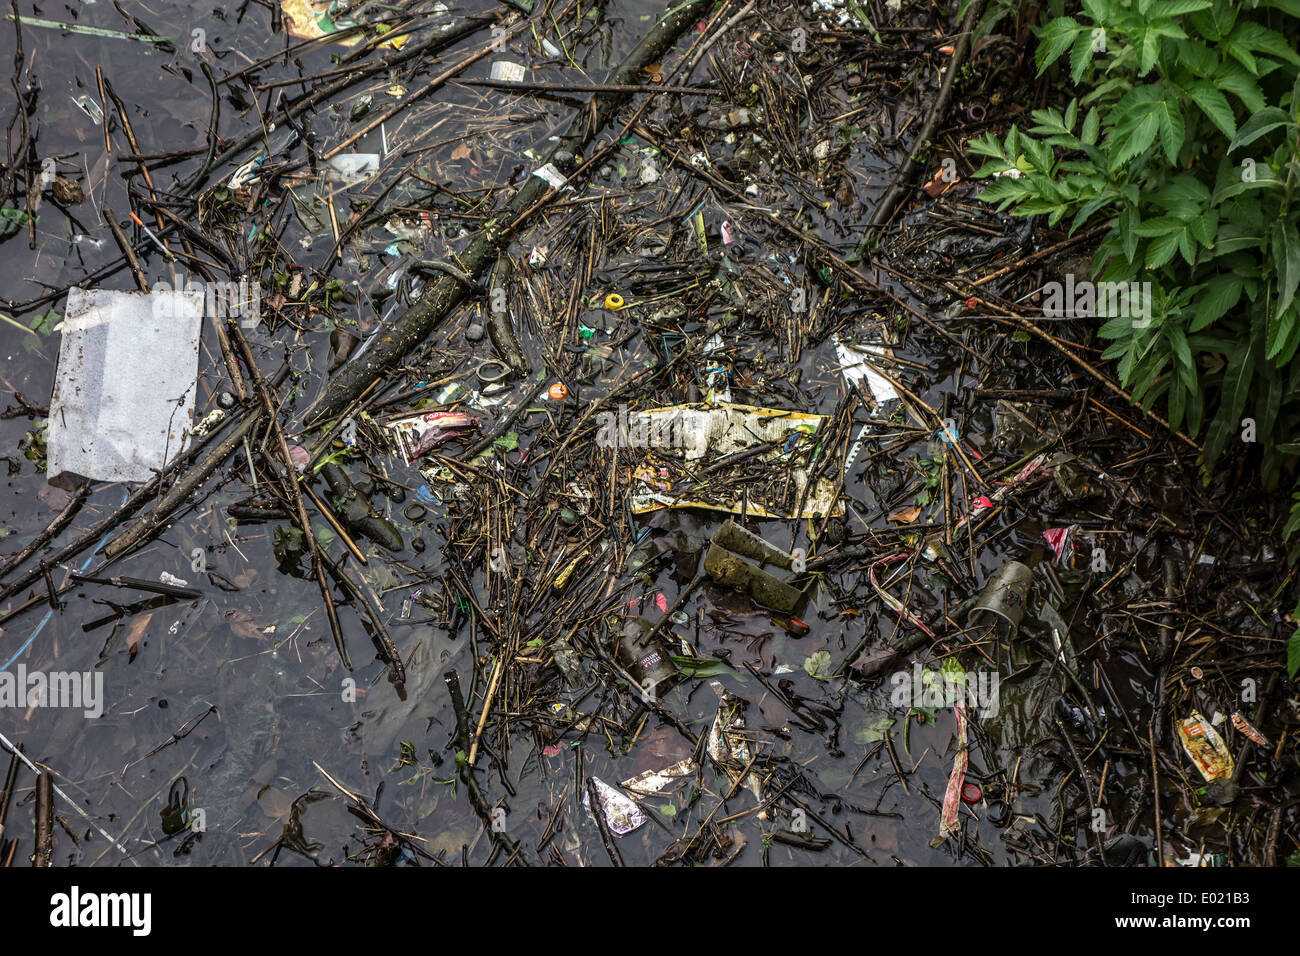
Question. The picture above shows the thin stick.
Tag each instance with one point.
(7, 794)
(60, 521)
(598, 813)
(487, 707)
(127, 250)
(1155, 783)
(44, 820)
(17, 752)
(333, 522)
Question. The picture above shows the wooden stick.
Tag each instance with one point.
(60, 521)
(137, 273)
(328, 515)
(598, 813)
(487, 707)
(44, 820)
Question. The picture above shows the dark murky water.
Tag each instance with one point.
(248, 679)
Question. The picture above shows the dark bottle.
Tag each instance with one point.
(647, 661)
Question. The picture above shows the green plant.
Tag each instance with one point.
(1185, 140)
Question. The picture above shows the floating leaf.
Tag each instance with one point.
(11, 221)
(818, 665)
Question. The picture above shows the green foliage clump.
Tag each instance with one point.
(1184, 143)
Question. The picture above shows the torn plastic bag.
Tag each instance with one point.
(621, 813)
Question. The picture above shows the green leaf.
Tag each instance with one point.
(1286, 254)
(1214, 105)
(699, 666)
(1143, 113)
(1091, 125)
(44, 323)
(1216, 297)
(1172, 130)
(1231, 78)
(1181, 349)
(1057, 37)
(1177, 8)
(1291, 322)
(818, 665)
(1262, 122)
(11, 221)
(1177, 406)
(1256, 36)
(1292, 668)
(1081, 55)
(1236, 387)
(1161, 250)
(1150, 52)
(1159, 226)
(876, 730)
(1128, 233)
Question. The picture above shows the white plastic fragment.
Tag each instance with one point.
(853, 363)
(353, 167)
(621, 813)
(551, 175)
(124, 391)
(503, 71)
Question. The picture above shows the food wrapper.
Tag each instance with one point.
(676, 442)
(1206, 748)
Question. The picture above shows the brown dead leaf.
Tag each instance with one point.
(244, 624)
(135, 632)
(460, 152)
(944, 179)
(905, 515)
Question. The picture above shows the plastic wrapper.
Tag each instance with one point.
(124, 392)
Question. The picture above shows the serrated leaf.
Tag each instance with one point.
(1286, 255)
(818, 665)
(1232, 401)
(1161, 250)
(1091, 125)
(1214, 105)
(1216, 297)
(1081, 55)
(1150, 52)
(1054, 40)
(1231, 78)
(1262, 122)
